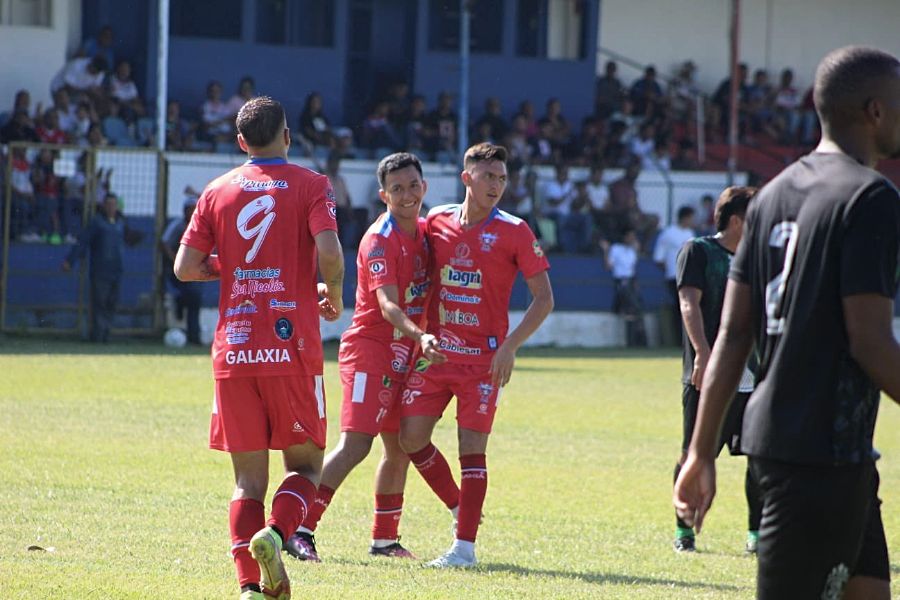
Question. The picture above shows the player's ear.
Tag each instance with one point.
(872, 108)
(383, 195)
(242, 143)
(466, 178)
(424, 187)
(287, 137)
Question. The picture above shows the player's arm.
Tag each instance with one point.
(192, 264)
(331, 268)
(689, 298)
(869, 320)
(540, 306)
(389, 303)
(696, 485)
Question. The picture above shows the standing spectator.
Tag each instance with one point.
(49, 130)
(682, 91)
(625, 116)
(558, 195)
(443, 122)
(190, 293)
(48, 198)
(216, 118)
(102, 46)
(787, 108)
(82, 76)
(759, 103)
(378, 134)
(314, 125)
(646, 94)
(493, 118)
(623, 211)
(95, 137)
(610, 92)
(621, 259)
(349, 229)
(598, 193)
(103, 240)
(246, 90)
(23, 201)
(575, 233)
(665, 255)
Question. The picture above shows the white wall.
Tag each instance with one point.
(31, 56)
(775, 33)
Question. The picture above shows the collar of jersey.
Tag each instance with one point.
(275, 160)
(494, 212)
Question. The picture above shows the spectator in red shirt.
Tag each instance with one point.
(49, 130)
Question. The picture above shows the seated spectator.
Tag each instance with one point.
(526, 111)
(23, 213)
(124, 91)
(483, 134)
(721, 100)
(493, 118)
(660, 159)
(246, 90)
(19, 128)
(516, 200)
(575, 232)
(609, 92)
(398, 105)
(216, 119)
(543, 149)
(95, 137)
(598, 194)
(759, 103)
(343, 142)
(65, 110)
(646, 94)
(102, 46)
(787, 108)
(314, 125)
(179, 132)
(21, 102)
(443, 122)
(85, 118)
(560, 133)
(623, 212)
(48, 198)
(378, 134)
(590, 146)
(642, 144)
(682, 92)
(417, 139)
(82, 76)
(49, 130)
(621, 259)
(516, 141)
(616, 154)
(685, 158)
(626, 117)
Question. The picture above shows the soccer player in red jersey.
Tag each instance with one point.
(392, 281)
(477, 251)
(273, 225)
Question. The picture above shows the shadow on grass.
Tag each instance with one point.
(601, 578)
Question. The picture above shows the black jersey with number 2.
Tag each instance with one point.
(824, 229)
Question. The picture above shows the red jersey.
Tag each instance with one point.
(387, 256)
(262, 217)
(472, 279)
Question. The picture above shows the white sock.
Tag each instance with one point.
(463, 548)
(302, 529)
(455, 512)
(382, 543)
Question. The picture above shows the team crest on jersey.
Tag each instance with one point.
(284, 329)
(378, 267)
(488, 240)
(332, 209)
(492, 342)
(538, 251)
(485, 390)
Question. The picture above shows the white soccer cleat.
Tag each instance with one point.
(453, 559)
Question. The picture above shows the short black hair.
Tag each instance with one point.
(395, 162)
(260, 120)
(733, 201)
(846, 79)
(685, 212)
(99, 63)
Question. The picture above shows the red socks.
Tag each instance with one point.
(472, 490)
(433, 467)
(291, 504)
(388, 508)
(315, 512)
(245, 518)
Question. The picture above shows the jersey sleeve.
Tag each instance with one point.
(381, 260)
(322, 206)
(200, 234)
(870, 253)
(529, 255)
(690, 266)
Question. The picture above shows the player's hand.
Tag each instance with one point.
(330, 308)
(695, 490)
(502, 365)
(431, 349)
(701, 359)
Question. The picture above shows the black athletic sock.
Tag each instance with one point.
(251, 587)
(678, 522)
(754, 501)
(281, 535)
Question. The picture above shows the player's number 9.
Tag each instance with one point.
(784, 235)
(264, 205)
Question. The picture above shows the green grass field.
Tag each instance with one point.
(104, 459)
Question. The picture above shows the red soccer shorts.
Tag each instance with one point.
(428, 394)
(370, 403)
(259, 413)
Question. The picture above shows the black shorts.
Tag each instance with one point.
(820, 526)
(731, 428)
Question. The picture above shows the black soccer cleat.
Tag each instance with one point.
(685, 544)
(394, 550)
(302, 546)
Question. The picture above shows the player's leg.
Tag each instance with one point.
(390, 481)
(731, 437)
(754, 509)
(690, 400)
(871, 579)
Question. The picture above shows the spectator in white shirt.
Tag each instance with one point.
(83, 75)
(670, 241)
(642, 144)
(123, 90)
(558, 193)
(621, 260)
(218, 126)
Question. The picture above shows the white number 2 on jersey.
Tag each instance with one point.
(264, 205)
(784, 235)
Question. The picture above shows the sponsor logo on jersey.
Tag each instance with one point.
(414, 310)
(415, 290)
(492, 342)
(538, 251)
(254, 286)
(461, 298)
(456, 317)
(282, 306)
(454, 343)
(488, 240)
(415, 381)
(376, 252)
(378, 267)
(421, 365)
(244, 308)
(400, 364)
(298, 428)
(264, 273)
(385, 397)
(284, 329)
(385, 381)
(235, 339)
(459, 278)
(461, 259)
(254, 357)
(255, 185)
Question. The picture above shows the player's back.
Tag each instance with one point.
(813, 403)
(263, 217)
